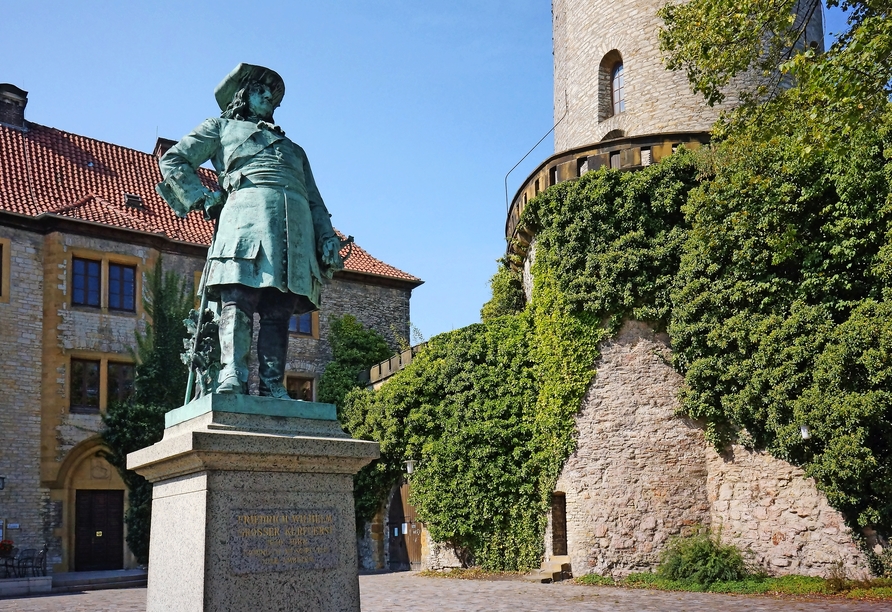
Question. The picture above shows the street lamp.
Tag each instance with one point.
(804, 432)
(410, 465)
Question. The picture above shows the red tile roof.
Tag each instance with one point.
(47, 171)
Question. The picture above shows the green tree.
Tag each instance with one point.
(715, 40)
(831, 93)
(159, 386)
(354, 348)
(779, 304)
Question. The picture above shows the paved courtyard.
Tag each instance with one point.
(405, 591)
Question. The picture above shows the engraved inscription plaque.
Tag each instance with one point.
(281, 539)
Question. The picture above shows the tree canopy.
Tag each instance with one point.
(833, 92)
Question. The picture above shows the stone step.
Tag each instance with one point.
(20, 587)
(543, 576)
(70, 582)
(553, 570)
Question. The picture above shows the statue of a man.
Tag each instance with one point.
(274, 243)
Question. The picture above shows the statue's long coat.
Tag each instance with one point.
(266, 237)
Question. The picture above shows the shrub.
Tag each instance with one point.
(702, 559)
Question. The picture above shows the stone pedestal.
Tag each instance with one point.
(253, 507)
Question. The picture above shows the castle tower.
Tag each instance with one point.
(609, 78)
(615, 104)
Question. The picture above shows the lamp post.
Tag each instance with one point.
(805, 432)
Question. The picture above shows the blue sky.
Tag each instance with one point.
(411, 112)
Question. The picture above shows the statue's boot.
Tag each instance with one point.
(272, 350)
(235, 344)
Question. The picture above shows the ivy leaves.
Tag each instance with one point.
(464, 409)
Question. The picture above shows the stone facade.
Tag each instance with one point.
(22, 501)
(590, 38)
(52, 453)
(642, 474)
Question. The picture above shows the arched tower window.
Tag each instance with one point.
(618, 89)
(611, 86)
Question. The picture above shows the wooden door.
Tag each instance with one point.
(99, 530)
(404, 532)
(558, 524)
(412, 530)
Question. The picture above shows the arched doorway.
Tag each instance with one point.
(92, 499)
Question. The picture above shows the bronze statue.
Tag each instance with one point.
(274, 242)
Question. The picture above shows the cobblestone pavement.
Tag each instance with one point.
(405, 591)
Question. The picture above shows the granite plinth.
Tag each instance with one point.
(253, 510)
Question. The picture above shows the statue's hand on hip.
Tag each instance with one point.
(213, 204)
(331, 256)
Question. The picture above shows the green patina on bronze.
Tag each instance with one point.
(239, 404)
(274, 244)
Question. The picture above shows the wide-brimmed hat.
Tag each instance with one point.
(244, 73)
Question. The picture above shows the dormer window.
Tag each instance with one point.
(132, 200)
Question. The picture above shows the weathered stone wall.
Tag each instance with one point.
(371, 545)
(770, 507)
(657, 100)
(384, 309)
(436, 555)
(641, 474)
(21, 317)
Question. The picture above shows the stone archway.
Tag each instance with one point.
(85, 470)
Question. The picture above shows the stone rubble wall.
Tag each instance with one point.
(436, 555)
(641, 475)
(771, 508)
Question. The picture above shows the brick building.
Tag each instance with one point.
(80, 223)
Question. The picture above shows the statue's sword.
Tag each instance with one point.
(196, 337)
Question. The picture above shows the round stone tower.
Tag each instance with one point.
(594, 38)
(615, 104)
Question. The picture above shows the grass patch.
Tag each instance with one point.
(880, 588)
(596, 580)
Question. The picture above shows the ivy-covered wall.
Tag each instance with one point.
(487, 410)
(766, 259)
